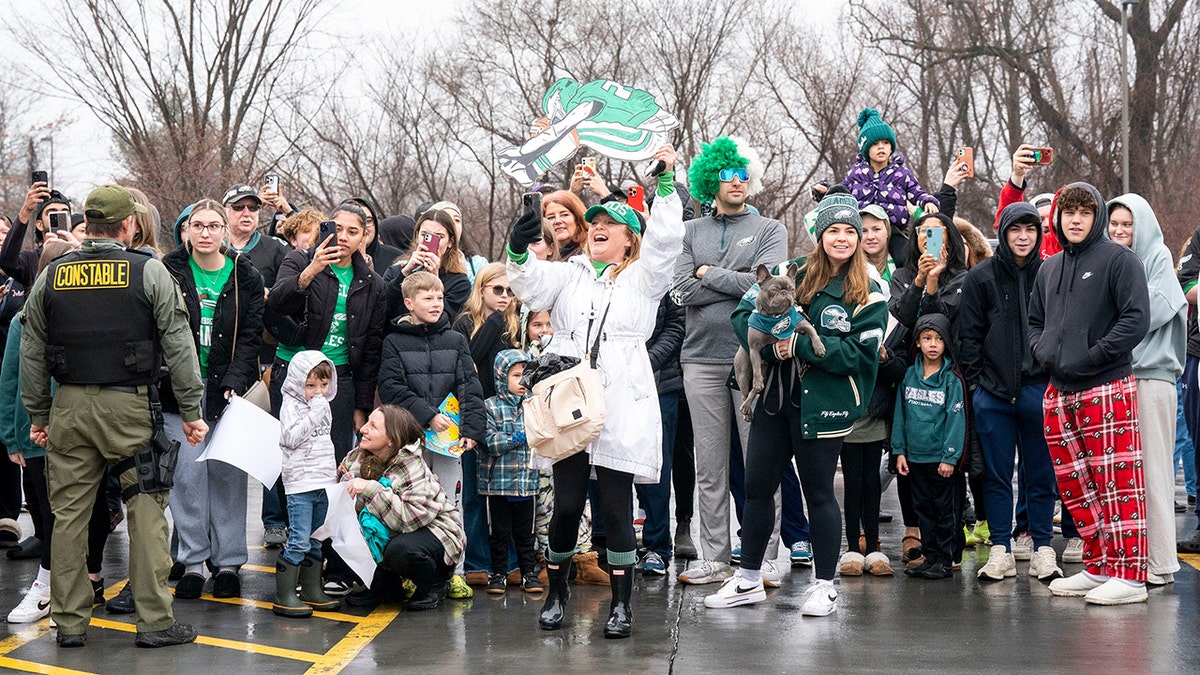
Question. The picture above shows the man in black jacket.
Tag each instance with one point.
(1008, 386)
(1087, 312)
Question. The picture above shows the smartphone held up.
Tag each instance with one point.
(60, 221)
(1043, 156)
(965, 157)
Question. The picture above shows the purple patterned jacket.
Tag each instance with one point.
(890, 188)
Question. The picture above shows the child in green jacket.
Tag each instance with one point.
(928, 434)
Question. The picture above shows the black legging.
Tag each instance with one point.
(860, 473)
(773, 441)
(683, 463)
(904, 494)
(98, 524)
(570, 494)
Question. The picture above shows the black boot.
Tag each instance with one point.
(620, 617)
(558, 591)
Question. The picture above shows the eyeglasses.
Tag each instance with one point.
(727, 175)
(500, 291)
(252, 208)
(214, 228)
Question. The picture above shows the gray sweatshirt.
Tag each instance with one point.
(732, 246)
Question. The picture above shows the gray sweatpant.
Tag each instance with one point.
(714, 407)
(1156, 401)
(208, 505)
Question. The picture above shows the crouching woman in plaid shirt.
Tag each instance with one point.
(388, 478)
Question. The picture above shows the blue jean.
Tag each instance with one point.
(306, 512)
(1185, 452)
(793, 525)
(474, 513)
(1191, 411)
(1006, 430)
(656, 499)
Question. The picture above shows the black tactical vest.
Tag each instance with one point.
(100, 326)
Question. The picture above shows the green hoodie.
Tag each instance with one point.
(1161, 354)
(930, 423)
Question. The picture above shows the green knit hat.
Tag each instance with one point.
(871, 129)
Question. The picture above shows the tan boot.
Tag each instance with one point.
(587, 570)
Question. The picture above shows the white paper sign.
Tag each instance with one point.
(342, 530)
(247, 438)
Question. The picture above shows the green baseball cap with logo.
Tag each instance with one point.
(110, 204)
(622, 213)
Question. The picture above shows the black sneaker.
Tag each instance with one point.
(430, 600)
(177, 571)
(919, 570)
(189, 587)
(179, 634)
(73, 641)
(496, 584)
(98, 592)
(936, 571)
(531, 584)
(123, 603)
(226, 584)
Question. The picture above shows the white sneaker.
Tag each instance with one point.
(1159, 579)
(1022, 547)
(35, 605)
(1073, 553)
(1076, 585)
(822, 599)
(772, 576)
(735, 592)
(1044, 564)
(706, 572)
(1000, 565)
(1117, 592)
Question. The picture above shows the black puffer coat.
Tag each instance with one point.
(236, 332)
(664, 344)
(422, 364)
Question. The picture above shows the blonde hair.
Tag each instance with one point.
(474, 306)
(145, 236)
(52, 250)
(419, 282)
(819, 270)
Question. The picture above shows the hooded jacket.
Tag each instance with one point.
(1087, 311)
(422, 364)
(507, 466)
(930, 423)
(664, 345)
(1162, 353)
(382, 255)
(909, 301)
(892, 188)
(733, 246)
(993, 317)
(236, 331)
(304, 428)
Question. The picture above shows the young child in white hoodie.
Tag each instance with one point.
(308, 466)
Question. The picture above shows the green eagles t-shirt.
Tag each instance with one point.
(337, 342)
(208, 288)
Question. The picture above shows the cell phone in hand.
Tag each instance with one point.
(532, 201)
(934, 239)
(1043, 156)
(60, 221)
(39, 177)
(431, 242)
(589, 165)
(635, 197)
(966, 156)
(272, 182)
(328, 228)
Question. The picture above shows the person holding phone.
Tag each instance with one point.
(434, 249)
(40, 204)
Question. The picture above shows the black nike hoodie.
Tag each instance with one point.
(1088, 308)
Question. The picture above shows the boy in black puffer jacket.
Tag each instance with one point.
(423, 362)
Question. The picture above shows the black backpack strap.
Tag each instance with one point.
(594, 354)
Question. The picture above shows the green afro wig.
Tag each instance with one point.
(726, 152)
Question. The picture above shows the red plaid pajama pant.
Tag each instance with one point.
(1097, 454)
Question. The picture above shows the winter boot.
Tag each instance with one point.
(685, 548)
(589, 572)
(620, 616)
(558, 591)
(312, 592)
(286, 602)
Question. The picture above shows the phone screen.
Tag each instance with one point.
(933, 241)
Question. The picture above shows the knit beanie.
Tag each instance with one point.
(871, 129)
(836, 211)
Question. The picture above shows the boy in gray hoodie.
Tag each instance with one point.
(308, 466)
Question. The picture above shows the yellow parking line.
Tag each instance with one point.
(348, 647)
(221, 642)
(31, 667)
(247, 602)
(269, 569)
(1192, 559)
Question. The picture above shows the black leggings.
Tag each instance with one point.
(860, 471)
(904, 494)
(98, 524)
(683, 463)
(512, 521)
(774, 439)
(570, 494)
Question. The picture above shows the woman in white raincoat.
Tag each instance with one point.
(627, 276)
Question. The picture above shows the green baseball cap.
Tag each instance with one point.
(110, 204)
(622, 213)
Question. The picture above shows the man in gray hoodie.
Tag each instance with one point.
(712, 274)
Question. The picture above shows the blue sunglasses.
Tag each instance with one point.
(727, 175)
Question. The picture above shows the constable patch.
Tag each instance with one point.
(91, 274)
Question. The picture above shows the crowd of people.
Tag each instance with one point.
(1068, 355)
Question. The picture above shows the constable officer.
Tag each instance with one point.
(101, 321)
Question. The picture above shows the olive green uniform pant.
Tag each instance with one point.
(90, 428)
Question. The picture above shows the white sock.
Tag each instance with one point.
(195, 568)
(43, 576)
(748, 576)
(227, 568)
(1096, 577)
